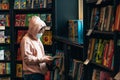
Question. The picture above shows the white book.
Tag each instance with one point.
(1, 54)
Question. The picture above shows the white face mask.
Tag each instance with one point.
(39, 35)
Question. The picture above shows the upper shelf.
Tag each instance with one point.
(67, 41)
(42, 10)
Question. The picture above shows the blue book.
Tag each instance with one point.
(75, 30)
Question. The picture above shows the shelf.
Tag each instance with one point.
(27, 11)
(102, 34)
(4, 11)
(18, 62)
(99, 66)
(103, 3)
(67, 41)
(4, 44)
(21, 27)
(5, 61)
(4, 75)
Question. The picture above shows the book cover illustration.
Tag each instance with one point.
(19, 70)
(47, 38)
(2, 68)
(20, 35)
(1, 54)
(2, 37)
(5, 4)
(16, 4)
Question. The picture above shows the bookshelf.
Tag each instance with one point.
(91, 30)
(5, 40)
(96, 30)
(22, 11)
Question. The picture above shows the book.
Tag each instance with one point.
(99, 55)
(22, 20)
(42, 3)
(7, 54)
(22, 4)
(102, 18)
(1, 54)
(2, 20)
(47, 38)
(47, 76)
(91, 48)
(16, 4)
(75, 30)
(17, 19)
(20, 35)
(49, 3)
(77, 70)
(28, 4)
(105, 52)
(5, 4)
(48, 20)
(55, 57)
(8, 68)
(95, 50)
(0, 4)
(43, 17)
(2, 68)
(19, 57)
(117, 19)
(2, 36)
(19, 70)
(110, 54)
(7, 20)
(36, 4)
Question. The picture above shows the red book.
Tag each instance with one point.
(117, 19)
(17, 19)
(47, 76)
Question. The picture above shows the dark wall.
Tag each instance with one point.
(65, 10)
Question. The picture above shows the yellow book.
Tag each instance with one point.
(47, 38)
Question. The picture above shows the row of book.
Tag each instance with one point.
(76, 70)
(102, 52)
(23, 19)
(4, 4)
(5, 68)
(32, 4)
(46, 38)
(58, 72)
(4, 38)
(5, 53)
(4, 20)
(102, 18)
(101, 75)
(75, 30)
